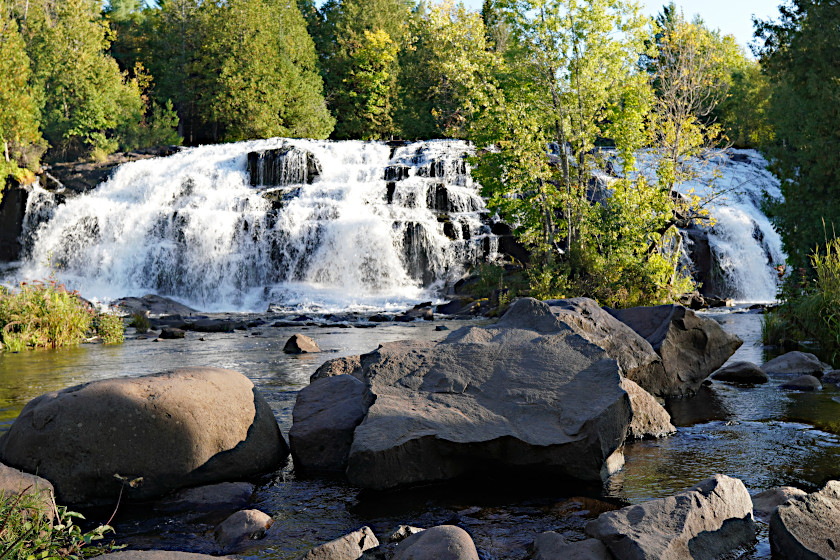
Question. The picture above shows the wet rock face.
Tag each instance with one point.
(282, 166)
(796, 363)
(164, 431)
(704, 523)
(691, 347)
(806, 526)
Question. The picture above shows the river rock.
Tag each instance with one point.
(213, 326)
(767, 502)
(247, 524)
(348, 547)
(349, 365)
(552, 546)
(702, 523)
(796, 362)
(14, 482)
(741, 372)
(525, 393)
(301, 344)
(831, 376)
(802, 383)
(153, 304)
(636, 357)
(170, 430)
(326, 413)
(444, 542)
(156, 555)
(806, 526)
(650, 419)
(171, 333)
(222, 496)
(691, 347)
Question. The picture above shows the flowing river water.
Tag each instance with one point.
(761, 434)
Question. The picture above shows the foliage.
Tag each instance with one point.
(799, 54)
(140, 322)
(811, 308)
(47, 315)
(30, 531)
(743, 112)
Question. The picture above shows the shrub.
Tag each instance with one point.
(47, 315)
(140, 322)
(28, 532)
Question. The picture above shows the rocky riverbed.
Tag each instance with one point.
(760, 434)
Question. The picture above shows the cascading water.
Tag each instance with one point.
(304, 224)
(742, 247)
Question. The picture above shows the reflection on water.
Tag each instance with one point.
(760, 434)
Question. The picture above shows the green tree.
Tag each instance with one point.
(20, 139)
(799, 54)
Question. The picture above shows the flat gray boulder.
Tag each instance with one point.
(165, 431)
(802, 383)
(525, 393)
(741, 372)
(444, 542)
(325, 416)
(153, 305)
(796, 362)
(348, 547)
(806, 527)
(691, 347)
(703, 523)
(650, 419)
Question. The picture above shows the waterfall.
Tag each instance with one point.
(299, 223)
(736, 256)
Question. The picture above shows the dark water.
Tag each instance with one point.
(762, 435)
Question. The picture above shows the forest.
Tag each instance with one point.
(539, 86)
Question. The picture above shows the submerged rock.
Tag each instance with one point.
(702, 523)
(552, 546)
(164, 431)
(225, 495)
(741, 372)
(806, 526)
(242, 526)
(691, 347)
(802, 383)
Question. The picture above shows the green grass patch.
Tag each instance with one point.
(47, 315)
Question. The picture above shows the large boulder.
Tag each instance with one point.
(326, 413)
(741, 372)
(444, 542)
(301, 344)
(703, 523)
(796, 363)
(170, 430)
(153, 304)
(636, 357)
(526, 393)
(766, 503)
(691, 347)
(806, 526)
(802, 383)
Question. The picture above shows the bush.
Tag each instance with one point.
(28, 532)
(47, 315)
(140, 322)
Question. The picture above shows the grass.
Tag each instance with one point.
(810, 309)
(34, 528)
(47, 315)
(140, 322)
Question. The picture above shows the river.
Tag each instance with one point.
(762, 435)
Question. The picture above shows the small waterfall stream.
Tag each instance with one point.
(331, 225)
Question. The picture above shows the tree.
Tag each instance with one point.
(799, 54)
(20, 139)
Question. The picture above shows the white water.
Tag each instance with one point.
(190, 226)
(743, 241)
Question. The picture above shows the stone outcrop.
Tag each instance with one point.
(691, 347)
(164, 431)
(702, 523)
(348, 547)
(806, 526)
(796, 363)
(766, 503)
(746, 373)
